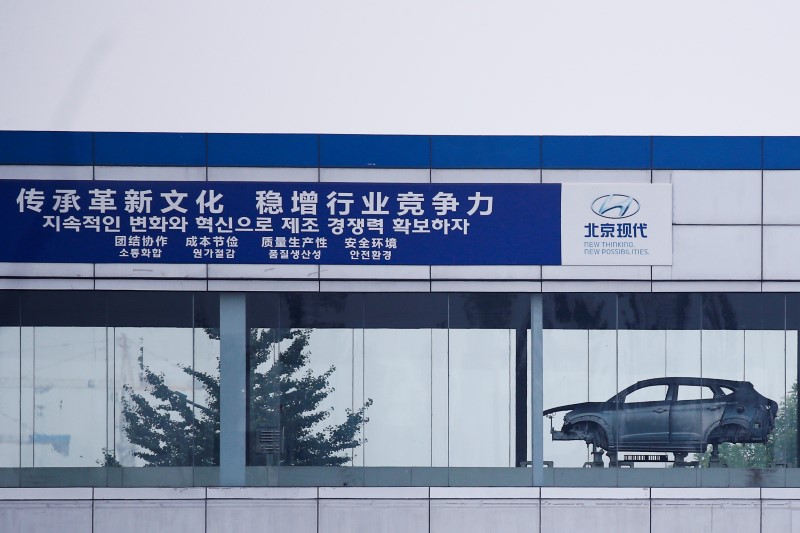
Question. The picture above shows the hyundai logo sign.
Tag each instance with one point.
(615, 206)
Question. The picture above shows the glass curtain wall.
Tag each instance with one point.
(92, 379)
(387, 379)
(424, 380)
(660, 374)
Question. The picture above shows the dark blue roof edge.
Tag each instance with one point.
(491, 152)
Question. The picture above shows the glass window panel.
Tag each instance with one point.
(489, 311)
(528, 408)
(602, 365)
(765, 368)
(723, 354)
(206, 310)
(565, 381)
(262, 310)
(440, 397)
(303, 401)
(487, 335)
(641, 355)
(26, 396)
(683, 359)
(308, 402)
(206, 395)
(722, 358)
(322, 310)
(143, 309)
(9, 396)
(335, 351)
(659, 311)
(397, 378)
(156, 351)
(405, 336)
(9, 308)
(654, 393)
(63, 308)
(787, 413)
(153, 371)
(683, 353)
(481, 407)
(265, 440)
(69, 395)
(740, 311)
(402, 310)
(693, 392)
(579, 311)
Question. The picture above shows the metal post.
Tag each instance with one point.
(232, 397)
(536, 392)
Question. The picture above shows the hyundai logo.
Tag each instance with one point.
(616, 206)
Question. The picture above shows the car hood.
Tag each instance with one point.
(588, 406)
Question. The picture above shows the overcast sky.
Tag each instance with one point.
(417, 66)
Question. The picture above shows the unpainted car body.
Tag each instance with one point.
(681, 421)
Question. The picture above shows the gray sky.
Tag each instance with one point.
(358, 66)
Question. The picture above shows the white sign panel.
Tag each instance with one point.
(616, 224)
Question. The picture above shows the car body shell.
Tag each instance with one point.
(732, 412)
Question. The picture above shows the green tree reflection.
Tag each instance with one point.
(780, 449)
(169, 429)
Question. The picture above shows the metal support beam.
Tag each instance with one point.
(232, 397)
(536, 392)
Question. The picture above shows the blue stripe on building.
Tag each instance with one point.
(398, 151)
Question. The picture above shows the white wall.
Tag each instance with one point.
(411, 509)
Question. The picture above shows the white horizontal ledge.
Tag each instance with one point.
(706, 493)
(780, 493)
(484, 493)
(47, 270)
(78, 493)
(262, 493)
(595, 493)
(374, 493)
(62, 284)
(45, 172)
(150, 493)
(150, 284)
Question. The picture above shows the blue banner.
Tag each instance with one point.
(280, 223)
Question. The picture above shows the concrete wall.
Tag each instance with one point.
(419, 509)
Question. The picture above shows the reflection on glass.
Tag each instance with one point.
(205, 381)
(735, 337)
(397, 377)
(9, 396)
(301, 397)
(481, 424)
(155, 401)
(565, 381)
(69, 385)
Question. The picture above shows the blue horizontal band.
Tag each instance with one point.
(374, 151)
(150, 149)
(45, 148)
(602, 152)
(262, 150)
(707, 153)
(398, 151)
(781, 153)
(473, 151)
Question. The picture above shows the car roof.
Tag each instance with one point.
(685, 380)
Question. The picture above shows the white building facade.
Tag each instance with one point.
(208, 384)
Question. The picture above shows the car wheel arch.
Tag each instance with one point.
(720, 424)
(597, 421)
